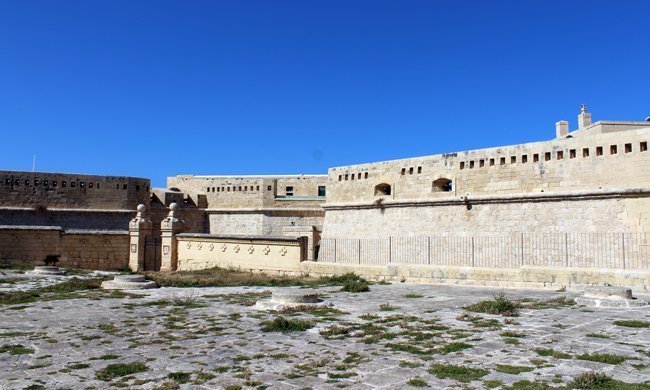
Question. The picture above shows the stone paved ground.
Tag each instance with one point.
(386, 338)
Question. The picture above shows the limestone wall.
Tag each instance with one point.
(107, 250)
(90, 219)
(57, 190)
(599, 161)
(249, 191)
(201, 251)
(270, 222)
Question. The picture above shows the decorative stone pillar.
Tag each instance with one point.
(139, 229)
(169, 227)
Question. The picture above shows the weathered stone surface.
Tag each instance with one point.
(46, 270)
(129, 282)
(608, 291)
(291, 298)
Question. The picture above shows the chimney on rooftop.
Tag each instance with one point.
(561, 129)
(584, 119)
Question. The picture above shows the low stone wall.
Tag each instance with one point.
(201, 251)
(91, 249)
(637, 280)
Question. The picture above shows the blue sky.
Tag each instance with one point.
(159, 88)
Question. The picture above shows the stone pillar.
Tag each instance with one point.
(139, 229)
(312, 234)
(561, 129)
(169, 227)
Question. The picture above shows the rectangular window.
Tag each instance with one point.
(45, 183)
(359, 175)
(403, 171)
(82, 184)
(628, 148)
(410, 170)
(572, 153)
(26, 182)
(643, 146)
(462, 165)
(63, 183)
(346, 177)
(289, 190)
(585, 152)
(218, 189)
(245, 188)
(502, 161)
(491, 162)
(613, 149)
(352, 177)
(239, 188)
(53, 183)
(340, 177)
(98, 187)
(208, 189)
(228, 188)
(599, 150)
(73, 184)
(321, 190)
(481, 163)
(560, 155)
(547, 156)
(90, 185)
(524, 158)
(513, 159)
(365, 175)
(36, 182)
(268, 188)
(419, 169)
(124, 186)
(471, 164)
(7, 182)
(536, 157)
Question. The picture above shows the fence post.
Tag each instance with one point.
(334, 239)
(472, 251)
(429, 250)
(359, 250)
(566, 248)
(623, 243)
(390, 249)
(522, 249)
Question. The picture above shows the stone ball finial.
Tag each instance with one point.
(141, 208)
(173, 206)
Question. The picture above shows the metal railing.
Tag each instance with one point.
(581, 250)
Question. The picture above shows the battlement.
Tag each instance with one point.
(71, 191)
(263, 191)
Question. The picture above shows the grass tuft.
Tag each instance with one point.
(499, 305)
(284, 325)
(633, 323)
(459, 373)
(120, 369)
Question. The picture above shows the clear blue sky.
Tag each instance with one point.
(159, 88)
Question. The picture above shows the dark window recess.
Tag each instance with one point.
(17, 181)
(321, 190)
(491, 162)
(340, 177)
(410, 170)
(289, 190)
(63, 183)
(37, 182)
(462, 165)
(346, 177)
(643, 146)
(352, 178)
(208, 189)
(547, 156)
(268, 188)
(90, 185)
(613, 149)
(481, 163)
(117, 186)
(471, 165)
(137, 187)
(257, 188)
(382, 189)
(403, 171)
(442, 185)
(45, 183)
(419, 169)
(124, 186)
(7, 182)
(53, 183)
(359, 175)
(628, 148)
(524, 158)
(365, 175)
(572, 153)
(73, 184)
(560, 155)
(536, 157)
(239, 188)
(26, 182)
(98, 187)
(502, 161)
(585, 152)
(513, 159)
(82, 184)
(599, 150)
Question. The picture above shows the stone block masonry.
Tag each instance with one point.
(90, 249)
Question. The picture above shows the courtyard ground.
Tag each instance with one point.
(394, 336)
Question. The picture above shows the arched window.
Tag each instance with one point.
(382, 189)
(442, 185)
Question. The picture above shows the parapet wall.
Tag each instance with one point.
(42, 190)
(105, 250)
(202, 251)
(598, 161)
